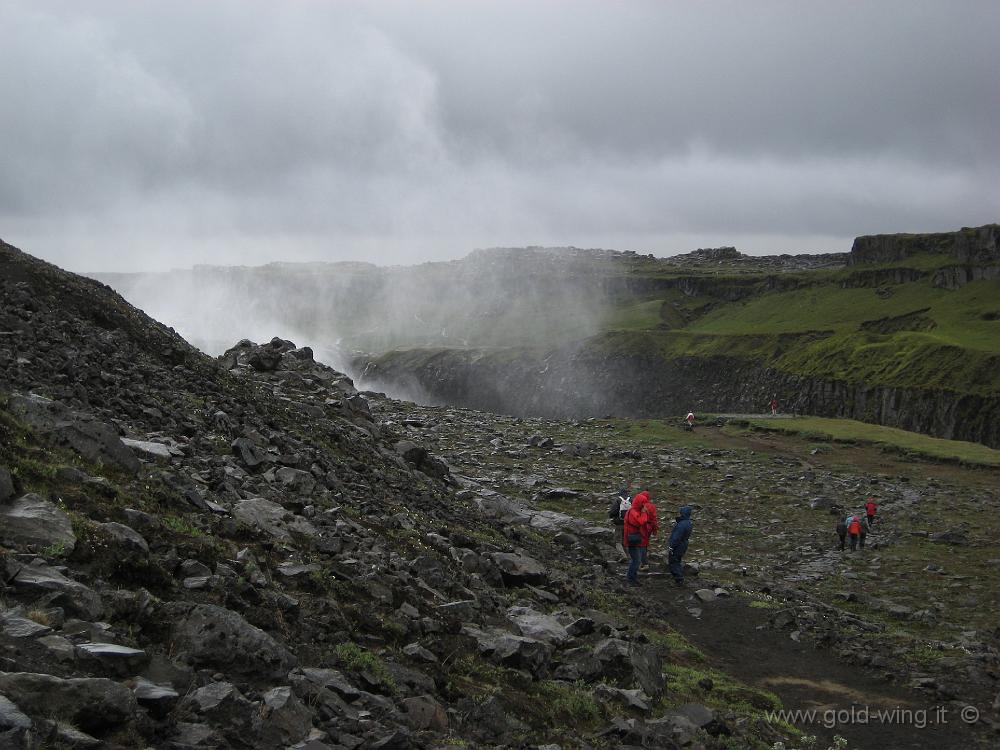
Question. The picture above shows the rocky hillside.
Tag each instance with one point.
(247, 552)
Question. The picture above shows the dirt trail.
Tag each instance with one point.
(737, 641)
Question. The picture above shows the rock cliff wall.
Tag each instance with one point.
(967, 245)
(583, 383)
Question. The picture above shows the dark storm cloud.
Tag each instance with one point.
(155, 134)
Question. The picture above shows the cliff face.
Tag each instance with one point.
(583, 383)
(967, 245)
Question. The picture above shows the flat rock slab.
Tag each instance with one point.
(91, 438)
(111, 650)
(38, 577)
(93, 704)
(542, 627)
(33, 520)
(148, 450)
(22, 627)
(59, 647)
(293, 570)
(211, 636)
(272, 519)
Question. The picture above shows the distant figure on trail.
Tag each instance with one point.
(635, 535)
(651, 510)
(690, 420)
(871, 508)
(774, 405)
(842, 532)
(678, 544)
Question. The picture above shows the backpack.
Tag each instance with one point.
(624, 507)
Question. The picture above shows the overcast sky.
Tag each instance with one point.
(147, 135)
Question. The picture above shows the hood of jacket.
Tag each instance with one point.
(685, 513)
(640, 500)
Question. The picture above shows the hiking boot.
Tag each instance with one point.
(679, 581)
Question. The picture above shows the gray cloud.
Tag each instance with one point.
(146, 135)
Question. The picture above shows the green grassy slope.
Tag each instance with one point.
(960, 318)
(910, 334)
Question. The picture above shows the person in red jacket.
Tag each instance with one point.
(635, 534)
(870, 509)
(651, 510)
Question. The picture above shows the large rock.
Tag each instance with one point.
(126, 537)
(159, 700)
(251, 455)
(424, 712)
(518, 570)
(491, 723)
(92, 439)
(539, 626)
(226, 709)
(272, 519)
(93, 704)
(512, 650)
(419, 458)
(33, 520)
(210, 636)
(74, 596)
(295, 480)
(284, 718)
(632, 663)
(112, 658)
(149, 450)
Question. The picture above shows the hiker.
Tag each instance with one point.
(678, 544)
(690, 420)
(870, 510)
(853, 529)
(774, 405)
(842, 532)
(620, 503)
(635, 535)
(654, 527)
(863, 528)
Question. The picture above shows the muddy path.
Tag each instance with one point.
(738, 641)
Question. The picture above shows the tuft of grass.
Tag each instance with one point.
(352, 656)
(181, 526)
(56, 549)
(570, 704)
(40, 616)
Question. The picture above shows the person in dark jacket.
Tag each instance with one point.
(678, 544)
(635, 534)
(842, 532)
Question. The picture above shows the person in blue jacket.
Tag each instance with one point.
(678, 544)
